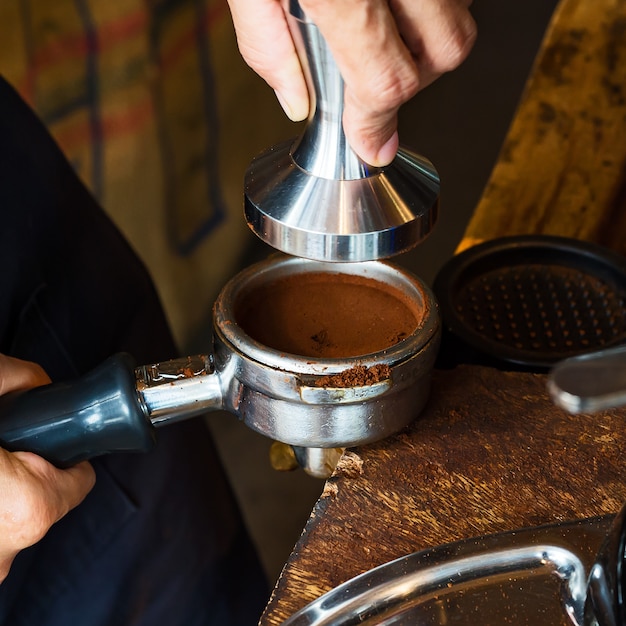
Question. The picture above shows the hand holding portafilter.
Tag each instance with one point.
(117, 407)
(313, 197)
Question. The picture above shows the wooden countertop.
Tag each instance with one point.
(491, 452)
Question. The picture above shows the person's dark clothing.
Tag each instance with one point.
(160, 540)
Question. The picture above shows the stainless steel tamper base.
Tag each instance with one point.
(305, 215)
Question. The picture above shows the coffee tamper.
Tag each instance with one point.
(313, 197)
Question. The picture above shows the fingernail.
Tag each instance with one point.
(388, 151)
(295, 110)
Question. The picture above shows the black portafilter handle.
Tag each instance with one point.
(69, 422)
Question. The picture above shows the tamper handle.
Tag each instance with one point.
(313, 197)
(323, 149)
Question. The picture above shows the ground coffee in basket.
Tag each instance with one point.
(327, 315)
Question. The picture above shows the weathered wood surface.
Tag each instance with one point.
(561, 168)
(490, 453)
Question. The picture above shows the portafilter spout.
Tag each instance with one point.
(313, 197)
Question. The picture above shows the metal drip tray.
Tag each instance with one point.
(536, 576)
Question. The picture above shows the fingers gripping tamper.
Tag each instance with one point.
(313, 197)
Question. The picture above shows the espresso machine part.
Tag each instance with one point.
(566, 574)
(527, 302)
(555, 575)
(590, 382)
(289, 398)
(317, 462)
(313, 197)
(606, 601)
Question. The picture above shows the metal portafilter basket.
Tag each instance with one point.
(313, 197)
(353, 385)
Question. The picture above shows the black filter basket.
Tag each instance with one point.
(526, 302)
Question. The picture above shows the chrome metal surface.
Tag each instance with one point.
(310, 394)
(178, 389)
(313, 197)
(275, 393)
(318, 462)
(590, 382)
(605, 594)
(535, 576)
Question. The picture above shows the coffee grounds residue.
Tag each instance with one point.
(327, 315)
(357, 376)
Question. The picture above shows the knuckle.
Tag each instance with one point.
(456, 46)
(35, 502)
(392, 93)
(253, 58)
(30, 519)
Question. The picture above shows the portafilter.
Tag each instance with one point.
(315, 355)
